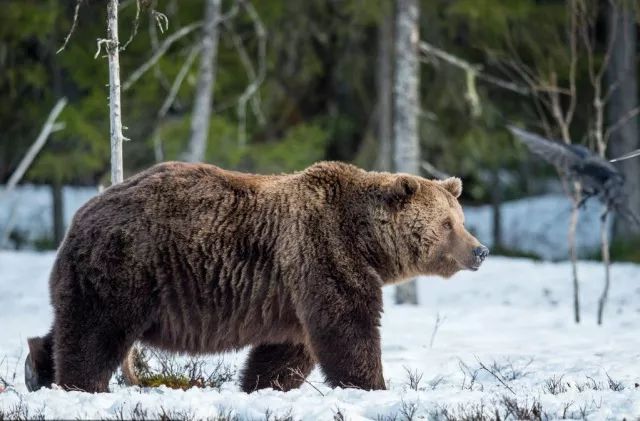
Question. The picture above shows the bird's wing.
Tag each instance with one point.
(555, 153)
(632, 154)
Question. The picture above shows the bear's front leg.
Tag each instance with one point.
(345, 339)
(280, 366)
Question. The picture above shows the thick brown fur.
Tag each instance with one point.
(192, 258)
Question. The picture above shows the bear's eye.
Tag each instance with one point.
(447, 225)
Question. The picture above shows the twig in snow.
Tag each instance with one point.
(439, 322)
(298, 373)
(415, 378)
(484, 367)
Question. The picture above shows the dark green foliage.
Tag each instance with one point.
(318, 99)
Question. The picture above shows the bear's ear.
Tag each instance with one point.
(453, 185)
(400, 190)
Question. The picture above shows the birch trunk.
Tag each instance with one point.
(385, 90)
(406, 87)
(115, 109)
(206, 79)
(622, 74)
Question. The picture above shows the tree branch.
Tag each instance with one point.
(49, 126)
(74, 24)
(474, 69)
(161, 50)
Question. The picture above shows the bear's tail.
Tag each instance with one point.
(38, 366)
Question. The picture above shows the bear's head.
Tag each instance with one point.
(418, 225)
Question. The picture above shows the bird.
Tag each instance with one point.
(597, 176)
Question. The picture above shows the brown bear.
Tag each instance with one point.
(192, 258)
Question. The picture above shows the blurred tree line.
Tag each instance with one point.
(320, 96)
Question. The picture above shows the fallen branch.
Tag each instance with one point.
(49, 127)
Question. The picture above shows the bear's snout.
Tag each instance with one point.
(479, 253)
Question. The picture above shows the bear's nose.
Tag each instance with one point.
(481, 252)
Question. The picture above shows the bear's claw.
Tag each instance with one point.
(30, 375)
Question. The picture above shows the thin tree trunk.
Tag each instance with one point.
(58, 212)
(385, 91)
(606, 260)
(201, 115)
(622, 74)
(406, 105)
(573, 226)
(496, 206)
(115, 109)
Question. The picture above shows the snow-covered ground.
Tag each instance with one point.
(536, 225)
(513, 316)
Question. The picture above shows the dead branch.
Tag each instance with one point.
(298, 373)
(136, 26)
(74, 24)
(475, 69)
(484, 367)
(170, 99)
(439, 322)
(255, 79)
(47, 129)
(177, 83)
(433, 171)
(159, 52)
(618, 124)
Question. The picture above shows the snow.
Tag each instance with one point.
(27, 209)
(514, 312)
(536, 225)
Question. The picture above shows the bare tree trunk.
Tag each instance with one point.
(115, 110)
(385, 90)
(406, 105)
(496, 206)
(606, 260)
(573, 252)
(621, 76)
(206, 79)
(58, 212)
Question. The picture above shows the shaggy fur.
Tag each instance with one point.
(196, 259)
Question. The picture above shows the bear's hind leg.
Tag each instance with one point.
(280, 366)
(87, 354)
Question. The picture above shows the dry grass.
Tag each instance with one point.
(177, 374)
